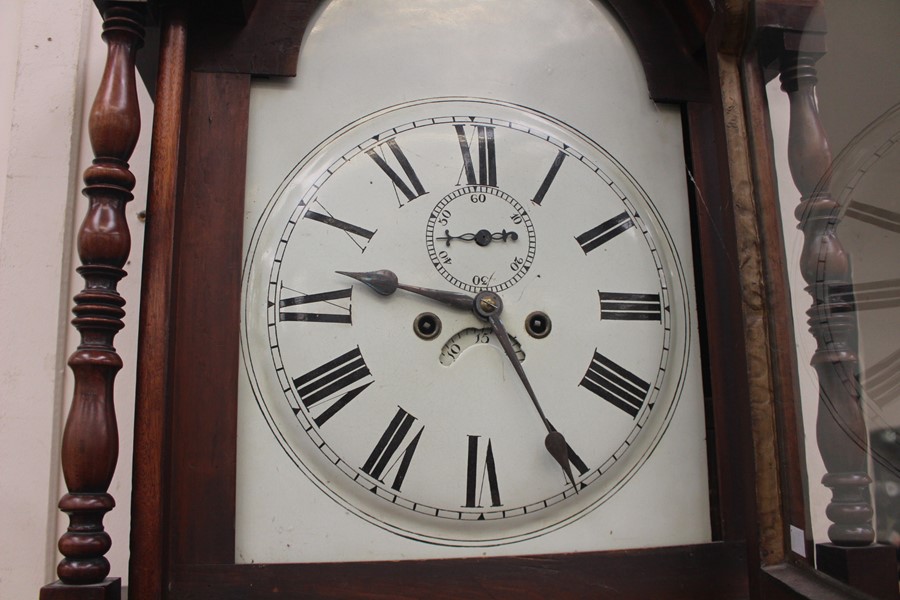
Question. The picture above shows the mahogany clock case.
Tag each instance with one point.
(184, 515)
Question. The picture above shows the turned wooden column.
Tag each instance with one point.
(825, 266)
(90, 443)
(841, 430)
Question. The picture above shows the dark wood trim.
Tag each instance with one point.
(723, 330)
(708, 571)
(788, 582)
(207, 319)
(155, 342)
(669, 37)
(267, 45)
(267, 42)
(787, 409)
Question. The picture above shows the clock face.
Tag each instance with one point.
(409, 412)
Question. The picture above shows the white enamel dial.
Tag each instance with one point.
(435, 439)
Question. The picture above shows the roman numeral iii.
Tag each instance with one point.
(620, 306)
(615, 384)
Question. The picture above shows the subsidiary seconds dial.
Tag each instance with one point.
(479, 237)
(490, 429)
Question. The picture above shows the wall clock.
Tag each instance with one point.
(234, 498)
(516, 176)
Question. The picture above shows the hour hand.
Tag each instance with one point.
(385, 283)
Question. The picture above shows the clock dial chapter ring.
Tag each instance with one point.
(480, 238)
(353, 393)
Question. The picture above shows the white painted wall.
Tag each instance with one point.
(51, 57)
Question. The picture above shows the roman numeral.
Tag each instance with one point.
(617, 385)
(864, 296)
(574, 459)
(487, 156)
(327, 298)
(477, 470)
(873, 215)
(411, 188)
(319, 387)
(620, 306)
(548, 180)
(605, 231)
(354, 232)
(387, 453)
(882, 380)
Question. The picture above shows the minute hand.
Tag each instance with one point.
(555, 441)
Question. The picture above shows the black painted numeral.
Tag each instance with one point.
(328, 298)
(487, 155)
(871, 295)
(318, 387)
(412, 188)
(476, 472)
(387, 453)
(605, 231)
(574, 459)
(874, 215)
(615, 384)
(882, 380)
(621, 306)
(356, 233)
(548, 180)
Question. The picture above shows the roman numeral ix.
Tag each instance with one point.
(326, 298)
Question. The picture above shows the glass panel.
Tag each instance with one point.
(853, 267)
